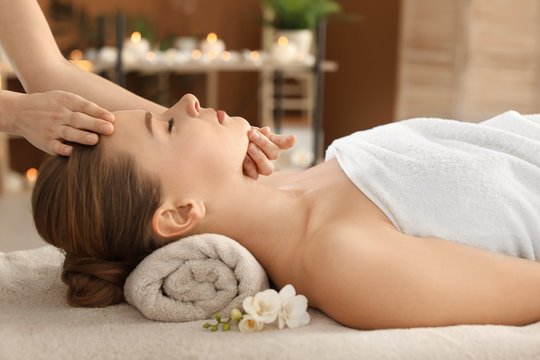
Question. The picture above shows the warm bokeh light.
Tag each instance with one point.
(211, 38)
(226, 56)
(83, 64)
(254, 55)
(136, 37)
(283, 41)
(31, 174)
(196, 54)
(76, 55)
(212, 55)
(150, 56)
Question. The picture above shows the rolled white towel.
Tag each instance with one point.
(194, 278)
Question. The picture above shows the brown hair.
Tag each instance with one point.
(98, 210)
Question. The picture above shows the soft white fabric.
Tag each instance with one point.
(194, 278)
(36, 323)
(477, 184)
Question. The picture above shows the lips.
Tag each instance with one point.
(221, 116)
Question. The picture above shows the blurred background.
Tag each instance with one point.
(385, 61)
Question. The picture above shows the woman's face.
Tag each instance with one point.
(186, 147)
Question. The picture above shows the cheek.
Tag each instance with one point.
(240, 138)
(205, 150)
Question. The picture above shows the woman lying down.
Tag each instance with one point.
(424, 222)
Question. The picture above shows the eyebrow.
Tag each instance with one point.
(148, 122)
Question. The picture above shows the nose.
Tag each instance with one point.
(188, 103)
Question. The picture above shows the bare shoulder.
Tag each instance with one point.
(339, 268)
(377, 277)
(346, 241)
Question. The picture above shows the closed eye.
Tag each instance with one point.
(171, 124)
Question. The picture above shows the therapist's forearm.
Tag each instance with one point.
(64, 75)
(32, 51)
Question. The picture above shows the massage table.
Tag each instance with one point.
(37, 323)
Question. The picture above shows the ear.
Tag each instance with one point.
(173, 220)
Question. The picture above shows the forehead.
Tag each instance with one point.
(123, 118)
(129, 129)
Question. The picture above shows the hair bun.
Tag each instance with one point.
(94, 282)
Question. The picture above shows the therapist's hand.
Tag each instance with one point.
(263, 147)
(48, 119)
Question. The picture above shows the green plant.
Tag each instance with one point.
(300, 14)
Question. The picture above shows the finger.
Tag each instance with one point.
(78, 136)
(82, 121)
(266, 131)
(60, 148)
(76, 103)
(250, 169)
(269, 148)
(283, 141)
(264, 166)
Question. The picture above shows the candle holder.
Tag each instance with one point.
(136, 47)
(213, 47)
(283, 51)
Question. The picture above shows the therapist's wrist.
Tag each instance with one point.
(9, 108)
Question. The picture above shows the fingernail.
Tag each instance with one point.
(90, 138)
(108, 117)
(106, 128)
(254, 135)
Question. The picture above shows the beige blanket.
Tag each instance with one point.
(36, 323)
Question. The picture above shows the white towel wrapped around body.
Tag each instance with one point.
(194, 278)
(477, 184)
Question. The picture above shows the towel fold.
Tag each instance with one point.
(194, 278)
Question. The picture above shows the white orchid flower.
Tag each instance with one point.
(249, 324)
(264, 306)
(293, 310)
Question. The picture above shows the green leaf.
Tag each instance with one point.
(300, 14)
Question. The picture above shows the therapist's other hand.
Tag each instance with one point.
(47, 119)
(263, 147)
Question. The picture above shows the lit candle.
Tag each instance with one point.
(76, 54)
(76, 58)
(254, 56)
(226, 56)
(136, 37)
(136, 46)
(150, 56)
(284, 51)
(83, 64)
(212, 46)
(196, 54)
(31, 176)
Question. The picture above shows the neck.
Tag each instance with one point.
(268, 222)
